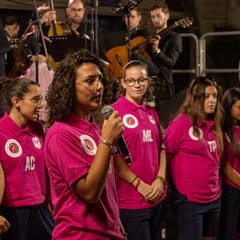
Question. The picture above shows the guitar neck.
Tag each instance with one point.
(168, 29)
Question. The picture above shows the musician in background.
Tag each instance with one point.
(12, 28)
(76, 24)
(118, 36)
(136, 30)
(116, 41)
(13, 31)
(4, 47)
(75, 12)
(164, 51)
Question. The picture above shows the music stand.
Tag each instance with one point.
(61, 46)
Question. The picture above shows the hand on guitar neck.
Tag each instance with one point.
(118, 56)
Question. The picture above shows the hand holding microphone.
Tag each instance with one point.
(112, 128)
(107, 111)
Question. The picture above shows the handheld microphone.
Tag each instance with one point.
(107, 111)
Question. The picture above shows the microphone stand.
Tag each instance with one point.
(92, 28)
(96, 29)
(127, 11)
(128, 14)
(39, 32)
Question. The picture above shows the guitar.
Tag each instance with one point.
(118, 56)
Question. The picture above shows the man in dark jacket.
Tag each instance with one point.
(164, 49)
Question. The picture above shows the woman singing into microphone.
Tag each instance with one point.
(78, 153)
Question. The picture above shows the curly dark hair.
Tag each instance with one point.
(61, 94)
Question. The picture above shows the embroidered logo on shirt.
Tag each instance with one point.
(36, 142)
(151, 119)
(130, 121)
(193, 135)
(88, 145)
(13, 148)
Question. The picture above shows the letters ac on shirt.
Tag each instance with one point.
(14, 149)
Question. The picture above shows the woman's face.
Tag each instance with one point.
(136, 82)
(30, 104)
(210, 100)
(235, 112)
(89, 89)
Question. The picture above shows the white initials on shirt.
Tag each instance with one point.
(212, 146)
(30, 164)
(147, 136)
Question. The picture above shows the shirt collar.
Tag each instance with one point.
(132, 106)
(13, 127)
(79, 122)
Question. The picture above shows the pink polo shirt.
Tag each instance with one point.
(228, 155)
(195, 163)
(22, 159)
(69, 150)
(143, 137)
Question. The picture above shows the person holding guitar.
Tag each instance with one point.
(135, 26)
(117, 40)
(164, 48)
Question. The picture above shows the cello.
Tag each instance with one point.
(57, 28)
(19, 55)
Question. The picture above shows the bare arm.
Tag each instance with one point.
(159, 182)
(2, 183)
(231, 173)
(4, 224)
(90, 187)
(127, 175)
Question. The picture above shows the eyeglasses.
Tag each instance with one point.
(74, 10)
(36, 100)
(131, 81)
(92, 83)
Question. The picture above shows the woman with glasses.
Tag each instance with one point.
(194, 143)
(141, 185)
(21, 156)
(79, 154)
(229, 217)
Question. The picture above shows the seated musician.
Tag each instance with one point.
(12, 28)
(119, 34)
(13, 32)
(116, 40)
(135, 26)
(76, 24)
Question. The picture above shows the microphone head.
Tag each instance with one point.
(107, 111)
